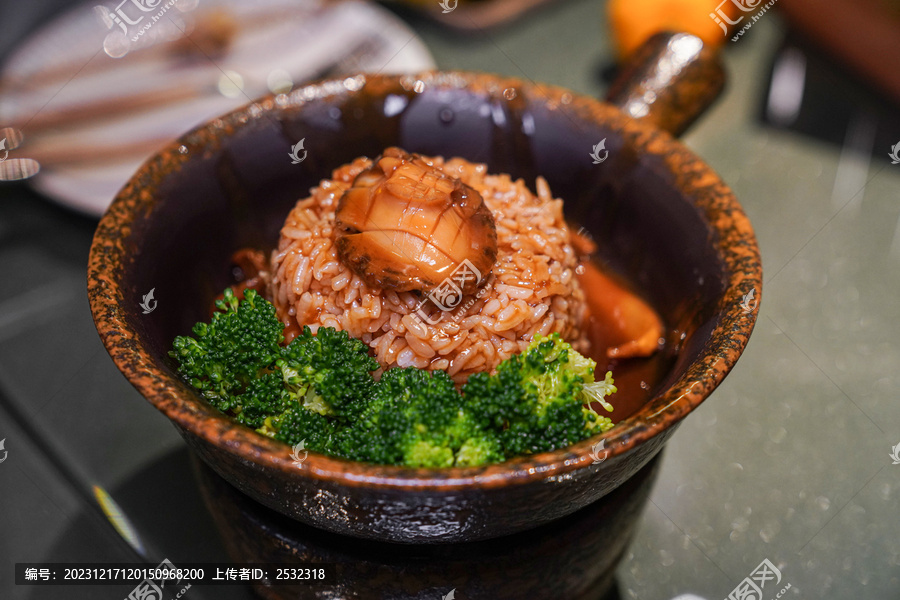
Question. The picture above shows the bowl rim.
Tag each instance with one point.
(732, 237)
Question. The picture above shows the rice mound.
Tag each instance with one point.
(532, 288)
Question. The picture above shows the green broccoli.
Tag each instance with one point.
(539, 400)
(596, 391)
(320, 390)
(415, 418)
(239, 364)
(480, 450)
(330, 372)
(298, 424)
(231, 359)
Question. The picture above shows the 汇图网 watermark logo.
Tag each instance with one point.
(449, 293)
(448, 5)
(3, 449)
(296, 159)
(895, 154)
(147, 302)
(749, 302)
(296, 449)
(599, 452)
(4, 150)
(152, 588)
(595, 153)
(451, 595)
(720, 16)
(133, 16)
(895, 454)
(723, 20)
(751, 588)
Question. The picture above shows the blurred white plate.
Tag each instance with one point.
(91, 119)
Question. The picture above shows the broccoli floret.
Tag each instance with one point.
(417, 418)
(536, 400)
(481, 449)
(238, 363)
(229, 358)
(330, 370)
(595, 391)
(298, 424)
(413, 417)
(427, 453)
(262, 397)
(494, 400)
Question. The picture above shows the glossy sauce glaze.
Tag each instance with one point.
(621, 327)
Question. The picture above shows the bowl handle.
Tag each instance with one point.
(669, 81)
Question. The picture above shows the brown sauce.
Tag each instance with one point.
(249, 270)
(613, 305)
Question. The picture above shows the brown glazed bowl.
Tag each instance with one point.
(662, 216)
(572, 558)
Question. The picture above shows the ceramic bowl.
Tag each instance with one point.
(661, 215)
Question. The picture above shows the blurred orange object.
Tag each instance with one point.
(634, 21)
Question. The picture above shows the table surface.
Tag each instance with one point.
(787, 461)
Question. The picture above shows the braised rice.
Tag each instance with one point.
(532, 287)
